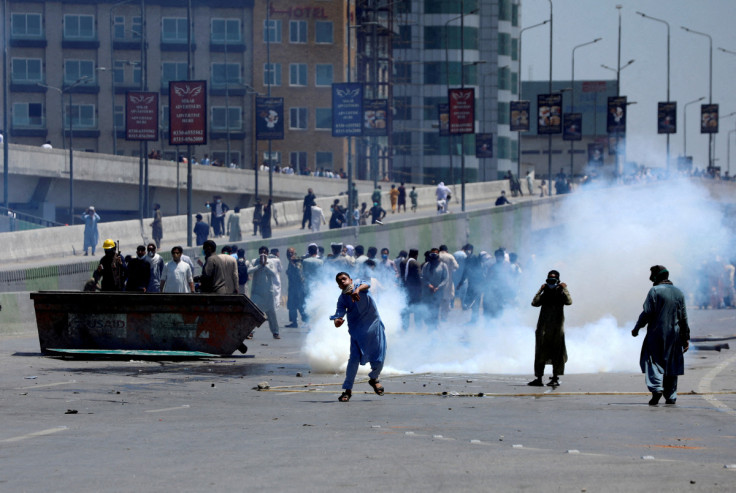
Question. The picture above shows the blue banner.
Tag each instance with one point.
(347, 109)
(269, 118)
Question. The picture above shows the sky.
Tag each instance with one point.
(645, 81)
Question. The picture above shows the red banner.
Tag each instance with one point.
(462, 110)
(188, 112)
(141, 116)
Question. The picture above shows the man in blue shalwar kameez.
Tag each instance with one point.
(367, 338)
(667, 339)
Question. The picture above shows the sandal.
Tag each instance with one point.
(376, 388)
(345, 396)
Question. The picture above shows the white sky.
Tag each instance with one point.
(579, 21)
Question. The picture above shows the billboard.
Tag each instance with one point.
(187, 112)
(519, 116)
(141, 115)
(616, 116)
(483, 145)
(572, 126)
(375, 118)
(462, 110)
(347, 109)
(269, 118)
(709, 119)
(667, 118)
(443, 109)
(549, 113)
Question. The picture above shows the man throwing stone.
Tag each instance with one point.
(367, 338)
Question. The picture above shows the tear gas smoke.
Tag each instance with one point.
(607, 240)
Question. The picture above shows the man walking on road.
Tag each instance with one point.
(667, 339)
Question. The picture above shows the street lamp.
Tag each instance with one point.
(728, 152)
(684, 123)
(668, 71)
(462, 86)
(710, 86)
(69, 90)
(549, 137)
(572, 99)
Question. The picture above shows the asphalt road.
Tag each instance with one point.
(200, 426)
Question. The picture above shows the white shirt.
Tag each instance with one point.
(177, 277)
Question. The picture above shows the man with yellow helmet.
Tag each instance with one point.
(111, 269)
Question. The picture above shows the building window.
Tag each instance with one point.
(298, 74)
(173, 71)
(323, 118)
(514, 83)
(83, 116)
(298, 118)
(26, 25)
(272, 74)
(222, 74)
(514, 49)
(504, 44)
(226, 30)
(120, 69)
(297, 31)
(235, 118)
(79, 27)
(174, 30)
(28, 115)
(221, 156)
(504, 148)
(324, 74)
(515, 15)
(26, 70)
(119, 31)
(504, 77)
(323, 32)
(298, 160)
(119, 116)
(272, 31)
(504, 10)
(74, 70)
(503, 113)
(323, 160)
(273, 158)
(402, 106)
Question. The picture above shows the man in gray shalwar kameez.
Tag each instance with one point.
(667, 339)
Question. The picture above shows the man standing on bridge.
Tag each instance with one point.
(667, 339)
(91, 236)
(309, 202)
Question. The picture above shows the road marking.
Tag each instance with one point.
(185, 406)
(48, 385)
(34, 434)
(705, 382)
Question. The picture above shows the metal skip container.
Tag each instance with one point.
(207, 323)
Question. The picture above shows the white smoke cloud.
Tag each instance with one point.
(608, 240)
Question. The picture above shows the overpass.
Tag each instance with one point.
(39, 184)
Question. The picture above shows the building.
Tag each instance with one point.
(299, 50)
(91, 53)
(591, 101)
(445, 44)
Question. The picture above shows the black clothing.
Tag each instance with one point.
(139, 274)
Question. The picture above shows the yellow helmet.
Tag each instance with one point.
(108, 244)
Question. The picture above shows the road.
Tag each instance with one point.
(131, 425)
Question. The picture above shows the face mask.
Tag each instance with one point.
(151, 253)
(141, 254)
(434, 256)
(552, 282)
(384, 256)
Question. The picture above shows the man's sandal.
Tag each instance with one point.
(345, 396)
(378, 389)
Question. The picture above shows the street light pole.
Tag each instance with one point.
(549, 137)
(6, 135)
(710, 87)
(728, 152)
(668, 72)
(572, 99)
(518, 138)
(684, 123)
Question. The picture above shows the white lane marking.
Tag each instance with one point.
(705, 382)
(34, 434)
(185, 406)
(48, 385)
